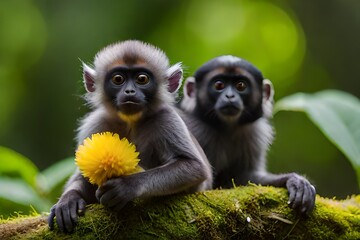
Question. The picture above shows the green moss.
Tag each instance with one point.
(251, 212)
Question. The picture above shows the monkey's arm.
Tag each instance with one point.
(301, 193)
(78, 192)
(174, 177)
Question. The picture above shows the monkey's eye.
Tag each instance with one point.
(142, 79)
(219, 85)
(241, 86)
(118, 79)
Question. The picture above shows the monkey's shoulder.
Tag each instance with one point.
(166, 118)
(162, 136)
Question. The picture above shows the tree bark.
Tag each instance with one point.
(251, 212)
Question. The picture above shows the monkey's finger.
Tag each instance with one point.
(51, 217)
(109, 199)
(292, 194)
(81, 207)
(117, 201)
(110, 184)
(313, 194)
(99, 192)
(313, 189)
(299, 196)
(73, 211)
(59, 219)
(106, 197)
(120, 205)
(308, 199)
(68, 224)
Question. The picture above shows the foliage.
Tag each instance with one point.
(23, 186)
(251, 212)
(22, 37)
(250, 36)
(336, 114)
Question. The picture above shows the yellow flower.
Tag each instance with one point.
(104, 156)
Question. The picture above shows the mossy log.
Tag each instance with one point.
(251, 212)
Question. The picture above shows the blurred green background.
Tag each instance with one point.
(302, 46)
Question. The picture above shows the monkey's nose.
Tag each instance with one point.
(130, 91)
(230, 96)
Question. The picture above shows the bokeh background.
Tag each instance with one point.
(302, 46)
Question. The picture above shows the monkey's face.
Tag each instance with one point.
(232, 94)
(130, 89)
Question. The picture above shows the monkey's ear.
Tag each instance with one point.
(268, 90)
(89, 78)
(174, 75)
(189, 89)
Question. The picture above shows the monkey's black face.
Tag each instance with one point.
(130, 89)
(229, 95)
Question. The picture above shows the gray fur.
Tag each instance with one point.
(237, 150)
(173, 160)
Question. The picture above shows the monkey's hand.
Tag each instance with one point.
(117, 192)
(301, 194)
(66, 211)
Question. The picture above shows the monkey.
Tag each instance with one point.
(227, 105)
(129, 91)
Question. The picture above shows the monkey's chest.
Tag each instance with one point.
(149, 153)
(226, 153)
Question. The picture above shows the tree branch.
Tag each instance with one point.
(251, 212)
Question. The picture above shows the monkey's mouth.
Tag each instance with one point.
(130, 102)
(130, 107)
(229, 110)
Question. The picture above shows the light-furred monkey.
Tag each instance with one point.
(228, 105)
(129, 90)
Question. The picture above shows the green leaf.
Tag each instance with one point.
(56, 174)
(18, 191)
(13, 164)
(336, 114)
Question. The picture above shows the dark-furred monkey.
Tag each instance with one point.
(227, 105)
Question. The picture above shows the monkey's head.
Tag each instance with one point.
(228, 90)
(130, 78)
